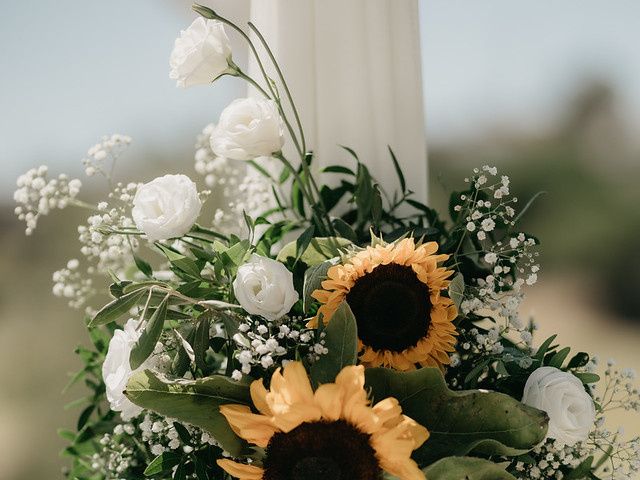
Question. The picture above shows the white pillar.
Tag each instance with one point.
(354, 68)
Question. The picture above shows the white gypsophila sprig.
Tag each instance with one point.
(71, 284)
(101, 157)
(511, 260)
(619, 456)
(551, 459)
(37, 195)
(104, 240)
(125, 448)
(265, 344)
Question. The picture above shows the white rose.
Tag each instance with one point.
(116, 370)
(265, 287)
(563, 397)
(248, 128)
(201, 54)
(166, 207)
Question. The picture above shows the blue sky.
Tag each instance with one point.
(74, 70)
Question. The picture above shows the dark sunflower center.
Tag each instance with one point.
(391, 306)
(321, 451)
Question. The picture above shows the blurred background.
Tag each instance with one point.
(547, 91)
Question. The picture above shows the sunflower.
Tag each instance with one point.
(332, 433)
(394, 292)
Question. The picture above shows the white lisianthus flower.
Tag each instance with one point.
(166, 207)
(265, 287)
(248, 128)
(201, 54)
(116, 370)
(563, 397)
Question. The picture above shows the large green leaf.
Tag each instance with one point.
(466, 468)
(313, 278)
(195, 402)
(341, 339)
(459, 422)
(318, 250)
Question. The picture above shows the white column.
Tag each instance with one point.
(354, 69)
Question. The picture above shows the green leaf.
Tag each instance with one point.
(181, 361)
(364, 193)
(459, 422)
(344, 229)
(587, 377)
(313, 279)
(456, 290)
(376, 206)
(342, 342)
(396, 165)
(147, 342)
(115, 309)
(467, 468)
(542, 350)
(319, 250)
(338, 169)
(559, 357)
(236, 254)
(179, 261)
(162, 463)
(143, 266)
(201, 342)
(303, 241)
(195, 402)
(579, 360)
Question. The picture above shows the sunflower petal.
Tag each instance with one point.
(241, 470)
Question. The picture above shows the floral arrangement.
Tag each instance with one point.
(308, 331)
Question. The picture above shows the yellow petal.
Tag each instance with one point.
(389, 412)
(240, 470)
(329, 398)
(297, 382)
(254, 428)
(259, 397)
(295, 415)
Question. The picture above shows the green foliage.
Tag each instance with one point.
(467, 468)
(462, 422)
(316, 251)
(117, 308)
(313, 278)
(195, 402)
(341, 339)
(150, 335)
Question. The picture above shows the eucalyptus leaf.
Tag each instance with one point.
(195, 402)
(115, 309)
(341, 339)
(459, 422)
(467, 468)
